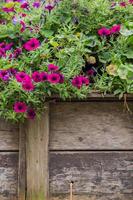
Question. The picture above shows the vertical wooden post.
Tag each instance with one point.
(37, 140)
(22, 163)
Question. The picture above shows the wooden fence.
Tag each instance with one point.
(86, 145)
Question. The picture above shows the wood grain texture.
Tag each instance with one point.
(90, 125)
(22, 163)
(8, 176)
(37, 157)
(96, 175)
(8, 136)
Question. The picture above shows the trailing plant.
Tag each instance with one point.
(66, 48)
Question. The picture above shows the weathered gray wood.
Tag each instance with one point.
(37, 157)
(8, 176)
(90, 125)
(22, 163)
(96, 175)
(9, 140)
(8, 136)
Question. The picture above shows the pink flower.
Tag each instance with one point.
(103, 32)
(85, 80)
(52, 67)
(4, 74)
(2, 53)
(49, 7)
(61, 78)
(54, 78)
(44, 76)
(36, 4)
(17, 52)
(115, 28)
(32, 44)
(122, 4)
(28, 86)
(23, 26)
(25, 5)
(31, 113)
(8, 46)
(22, 76)
(36, 76)
(130, 1)
(20, 107)
(77, 82)
(90, 72)
(5, 9)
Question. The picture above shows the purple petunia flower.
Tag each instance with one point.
(103, 32)
(22, 77)
(44, 76)
(36, 76)
(79, 81)
(52, 67)
(4, 75)
(5, 9)
(20, 107)
(32, 44)
(49, 7)
(54, 78)
(31, 113)
(115, 28)
(36, 4)
(28, 86)
(25, 5)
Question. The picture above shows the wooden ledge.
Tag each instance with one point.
(94, 96)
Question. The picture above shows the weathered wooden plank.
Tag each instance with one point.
(22, 163)
(90, 125)
(8, 176)
(37, 157)
(8, 136)
(96, 175)
(7, 126)
(8, 140)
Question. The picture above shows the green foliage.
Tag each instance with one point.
(69, 37)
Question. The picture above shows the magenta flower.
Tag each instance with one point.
(122, 4)
(44, 76)
(17, 52)
(12, 71)
(8, 10)
(20, 107)
(23, 26)
(90, 72)
(28, 86)
(54, 78)
(22, 77)
(61, 78)
(8, 46)
(130, 1)
(77, 82)
(36, 4)
(103, 32)
(31, 114)
(32, 44)
(4, 75)
(49, 7)
(85, 80)
(36, 76)
(115, 28)
(2, 53)
(25, 5)
(52, 67)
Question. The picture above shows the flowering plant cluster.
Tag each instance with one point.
(62, 47)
